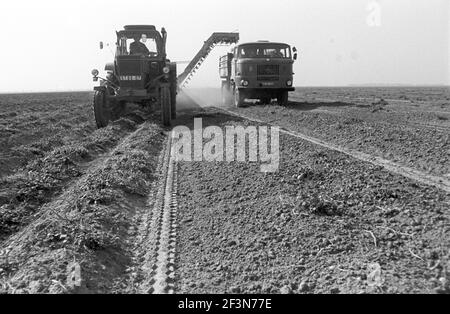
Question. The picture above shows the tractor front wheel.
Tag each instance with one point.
(166, 106)
(102, 111)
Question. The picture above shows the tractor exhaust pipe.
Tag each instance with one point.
(164, 38)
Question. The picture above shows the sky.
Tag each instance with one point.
(51, 45)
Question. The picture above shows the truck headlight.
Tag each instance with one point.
(244, 83)
(289, 83)
(95, 72)
(166, 70)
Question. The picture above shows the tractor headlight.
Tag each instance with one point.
(166, 70)
(244, 83)
(289, 83)
(95, 72)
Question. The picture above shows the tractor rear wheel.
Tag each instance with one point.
(166, 106)
(101, 109)
(173, 90)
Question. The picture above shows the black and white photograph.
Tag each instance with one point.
(225, 153)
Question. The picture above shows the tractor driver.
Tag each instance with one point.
(144, 41)
(138, 48)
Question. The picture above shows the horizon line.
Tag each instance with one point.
(300, 87)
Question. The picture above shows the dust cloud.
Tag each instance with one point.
(191, 98)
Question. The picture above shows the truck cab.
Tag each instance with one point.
(260, 70)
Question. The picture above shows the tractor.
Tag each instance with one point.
(140, 74)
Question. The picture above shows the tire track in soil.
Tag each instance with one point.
(436, 127)
(159, 228)
(378, 99)
(413, 125)
(416, 175)
(440, 128)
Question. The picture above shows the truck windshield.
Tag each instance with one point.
(265, 51)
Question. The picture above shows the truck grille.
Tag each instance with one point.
(268, 69)
(268, 78)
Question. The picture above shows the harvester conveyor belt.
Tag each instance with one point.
(215, 39)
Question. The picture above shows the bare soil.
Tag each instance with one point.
(412, 127)
(75, 202)
(316, 226)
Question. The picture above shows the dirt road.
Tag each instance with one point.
(111, 211)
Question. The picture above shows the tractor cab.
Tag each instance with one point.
(144, 35)
(140, 57)
(140, 74)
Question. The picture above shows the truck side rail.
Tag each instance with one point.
(225, 66)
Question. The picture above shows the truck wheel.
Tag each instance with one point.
(283, 98)
(239, 98)
(102, 111)
(166, 106)
(226, 94)
(173, 90)
(265, 100)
